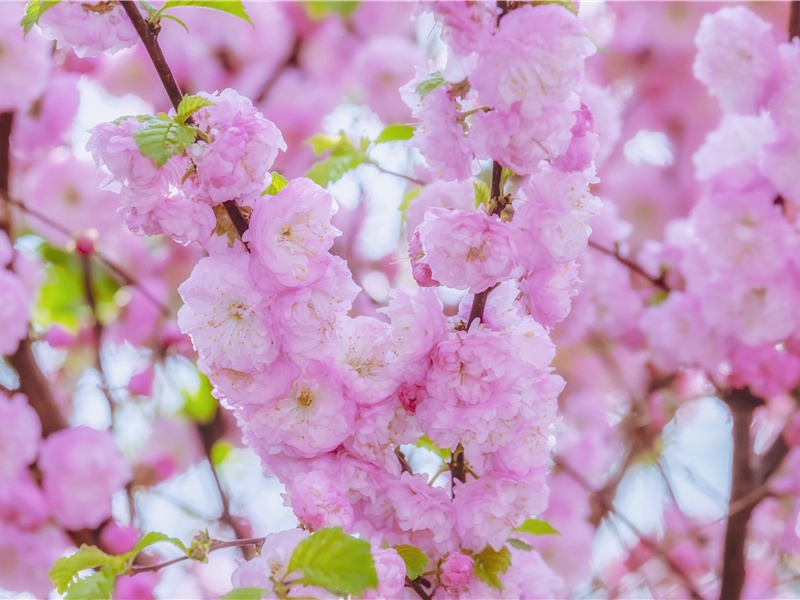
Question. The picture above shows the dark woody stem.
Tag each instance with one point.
(148, 33)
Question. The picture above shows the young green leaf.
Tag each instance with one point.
(247, 593)
(321, 142)
(162, 138)
(331, 559)
(415, 560)
(97, 586)
(34, 9)
(519, 545)
(430, 83)
(220, 451)
(278, 183)
(482, 193)
(232, 7)
(319, 9)
(427, 443)
(490, 564)
(199, 404)
(190, 105)
(395, 133)
(537, 527)
(334, 167)
(154, 537)
(66, 569)
(408, 198)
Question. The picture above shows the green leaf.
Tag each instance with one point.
(34, 9)
(154, 537)
(537, 527)
(247, 593)
(430, 83)
(278, 183)
(321, 142)
(415, 560)
(97, 586)
(482, 193)
(232, 7)
(190, 105)
(505, 175)
(490, 564)
(659, 297)
(220, 451)
(519, 545)
(200, 405)
(395, 133)
(408, 198)
(331, 559)
(177, 20)
(66, 569)
(427, 443)
(334, 167)
(319, 9)
(162, 138)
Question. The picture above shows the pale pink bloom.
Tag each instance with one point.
(82, 469)
(442, 194)
(733, 149)
(529, 576)
(546, 293)
(487, 509)
(271, 563)
(455, 572)
(140, 587)
(381, 65)
(784, 104)
(779, 164)
(226, 315)
(28, 557)
(420, 269)
(235, 164)
(25, 61)
(20, 433)
(391, 574)
(317, 502)
(184, 220)
(306, 317)
(441, 137)
(22, 503)
(535, 59)
(361, 355)
(520, 142)
(765, 370)
(291, 232)
(173, 445)
(14, 311)
(424, 513)
(89, 28)
(467, 25)
(468, 250)
(737, 58)
(305, 413)
(47, 123)
(583, 146)
(119, 539)
(418, 324)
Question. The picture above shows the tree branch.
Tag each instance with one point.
(6, 121)
(794, 19)
(631, 265)
(742, 404)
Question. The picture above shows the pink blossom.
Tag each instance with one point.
(140, 587)
(27, 558)
(119, 539)
(226, 315)
(14, 311)
(468, 250)
(737, 58)
(535, 59)
(784, 103)
(455, 572)
(304, 413)
(317, 502)
(89, 28)
(363, 345)
(184, 220)
(22, 503)
(422, 512)
(235, 163)
(467, 25)
(291, 232)
(82, 469)
(380, 67)
(733, 149)
(418, 324)
(45, 126)
(546, 293)
(20, 431)
(25, 61)
(270, 565)
(391, 573)
(442, 194)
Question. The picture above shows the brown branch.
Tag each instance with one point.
(742, 404)
(794, 19)
(6, 121)
(148, 33)
(215, 545)
(631, 265)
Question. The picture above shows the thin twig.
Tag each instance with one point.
(633, 266)
(383, 169)
(215, 545)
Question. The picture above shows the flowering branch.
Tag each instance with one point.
(633, 266)
(215, 545)
(148, 33)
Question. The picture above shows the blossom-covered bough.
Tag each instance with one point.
(413, 433)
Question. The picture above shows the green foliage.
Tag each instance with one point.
(659, 297)
(62, 298)
(344, 157)
(490, 564)
(220, 451)
(190, 105)
(408, 198)
(66, 569)
(232, 7)
(278, 183)
(163, 137)
(34, 9)
(331, 559)
(247, 593)
(199, 404)
(427, 443)
(537, 527)
(395, 133)
(415, 560)
(431, 82)
(97, 586)
(482, 193)
(319, 9)
(519, 545)
(154, 537)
